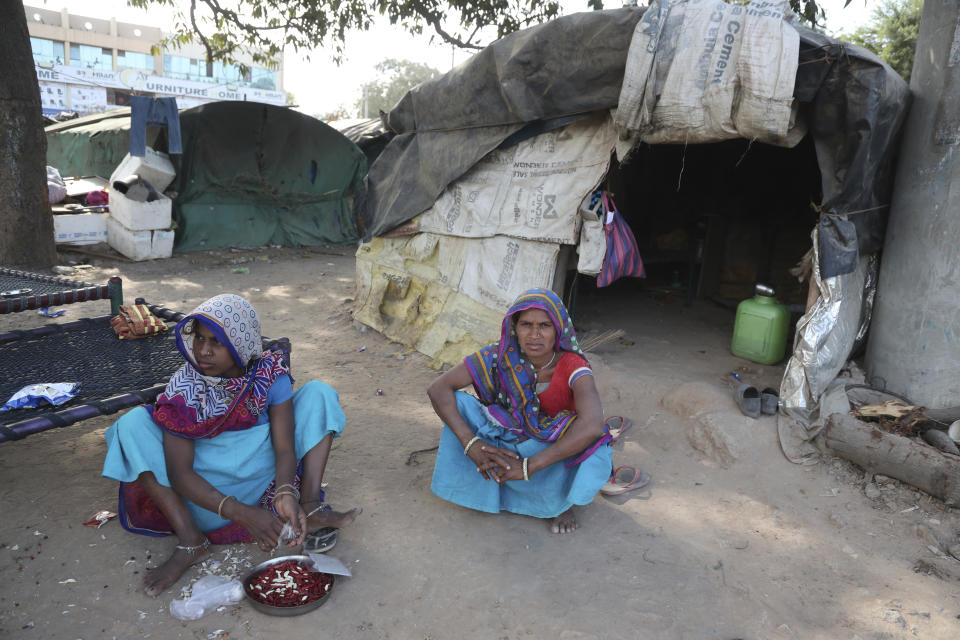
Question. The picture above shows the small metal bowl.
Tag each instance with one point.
(283, 611)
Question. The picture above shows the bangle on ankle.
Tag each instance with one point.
(198, 547)
(526, 476)
(220, 506)
(470, 444)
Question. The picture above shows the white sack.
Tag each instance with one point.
(498, 269)
(702, 71)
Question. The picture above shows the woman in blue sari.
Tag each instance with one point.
(533, 441)
(228, 452)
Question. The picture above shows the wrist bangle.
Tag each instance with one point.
(295, 491)
(220, 506)
(470, 444)
(285, 493)
(526, 476)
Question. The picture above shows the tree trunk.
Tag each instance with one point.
(913, 346)
(26, 226)
(915, 463)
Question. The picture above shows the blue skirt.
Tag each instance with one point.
(237, 463)
(549, 492)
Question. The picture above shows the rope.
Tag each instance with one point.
(819, 210)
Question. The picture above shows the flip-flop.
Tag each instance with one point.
(321, 540)
(617, 426)
(638, 480)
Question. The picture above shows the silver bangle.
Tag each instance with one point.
(470, 444)
(526, 476)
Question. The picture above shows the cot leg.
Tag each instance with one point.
(115, 291)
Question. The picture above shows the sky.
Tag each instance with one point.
(320, 87)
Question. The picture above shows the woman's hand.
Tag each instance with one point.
(291, 511)
(262, 525)
(495, 463)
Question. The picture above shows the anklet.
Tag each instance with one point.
(199, 547)
(323, 507)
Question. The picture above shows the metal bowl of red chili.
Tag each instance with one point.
(287, 586)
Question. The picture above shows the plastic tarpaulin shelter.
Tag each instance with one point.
(572, 65)
(250, 173)
(90, 146)
(852, 104)
(254, 174)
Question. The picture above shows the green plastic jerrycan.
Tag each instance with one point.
(760, 330)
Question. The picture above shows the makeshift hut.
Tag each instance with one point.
(479, 194)
(250, 173)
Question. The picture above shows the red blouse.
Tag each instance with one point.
(559, 395)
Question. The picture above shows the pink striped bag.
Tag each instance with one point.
(623, 257)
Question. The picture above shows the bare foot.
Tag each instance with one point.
(566, 522)
(335, 519)
(159, 578)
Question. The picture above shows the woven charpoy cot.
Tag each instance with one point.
(23, 290)
(113, 374)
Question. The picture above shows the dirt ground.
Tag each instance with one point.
(731, 541)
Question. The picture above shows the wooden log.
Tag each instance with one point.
(877, 451)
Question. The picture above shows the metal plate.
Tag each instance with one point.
(283, 611)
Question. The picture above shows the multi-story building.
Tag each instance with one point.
(88, 65)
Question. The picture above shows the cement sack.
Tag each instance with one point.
(498, 269)
(702, 71)
(531, 190)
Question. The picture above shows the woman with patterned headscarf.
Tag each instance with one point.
(228, 453)
(533, 441)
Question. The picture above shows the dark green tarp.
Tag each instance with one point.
(254, 174)
(250, 174)
(90, 146)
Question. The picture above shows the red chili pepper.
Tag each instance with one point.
(289, 584)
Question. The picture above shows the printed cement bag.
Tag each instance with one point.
(703, 71)
(531, 190)
(498, 269)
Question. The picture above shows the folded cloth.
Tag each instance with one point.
(34, 395)
(136, 321)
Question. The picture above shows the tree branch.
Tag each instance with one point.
(434, 22)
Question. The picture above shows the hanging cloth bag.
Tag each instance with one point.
(593, 242)
(623, 257)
